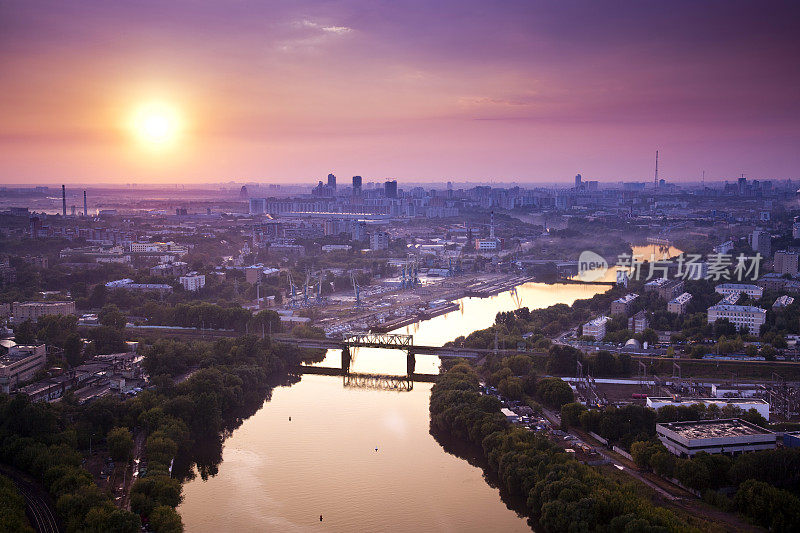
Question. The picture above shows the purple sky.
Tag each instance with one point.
(418, 90)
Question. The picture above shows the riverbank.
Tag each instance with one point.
(560, 492)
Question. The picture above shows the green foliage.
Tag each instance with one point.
(110, 316)
(12, 509)
(773, 508)
(561, 493)
(165, 519)
(554, 392)
(570, 415)
(120, 444)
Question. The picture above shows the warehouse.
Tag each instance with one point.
(731, 436)
(745, 404)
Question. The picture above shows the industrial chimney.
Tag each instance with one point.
(85, 211)
(63, 200)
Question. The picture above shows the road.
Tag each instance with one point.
(39, 509)
(555, 419)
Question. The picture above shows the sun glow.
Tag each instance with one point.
(156, 124)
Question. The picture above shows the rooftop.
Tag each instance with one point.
(627, 298)
(682, 298)
(737, 287)
(737, 309)
(715, 429)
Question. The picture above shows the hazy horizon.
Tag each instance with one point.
(208, 92)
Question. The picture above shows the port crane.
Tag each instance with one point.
(356, 289)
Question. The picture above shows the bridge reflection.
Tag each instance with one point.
(368, 381)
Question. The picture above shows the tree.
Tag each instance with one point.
(554, 392)
(663, 463)
(99, 296)
(165, 519)
(73, 346)
(266, 321)
(110, 316)
(570, 415)
(724, 328)
(120, 444)
(562, 360)
(25, 333)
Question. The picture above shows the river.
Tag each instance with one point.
(362, 458)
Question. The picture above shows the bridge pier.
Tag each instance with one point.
(411, 362)
(346, 358)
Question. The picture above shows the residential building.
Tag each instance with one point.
(596, 328)
(666, 288)
(761, 242)
(486, 245)
(724, 247)
(622, 306)
(379, 240)
(731, 436)
(679, 304)
(33, 310)
(786, 262)
(258, 206)
(753, 291)
(193, 281)
(740, 315)
(782, 301)
(638, 322)
(20, 364)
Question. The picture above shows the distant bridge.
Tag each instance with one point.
(387, 341)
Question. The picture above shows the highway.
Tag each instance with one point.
(40, 511)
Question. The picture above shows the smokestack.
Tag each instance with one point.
(85, 212)
(64, 200)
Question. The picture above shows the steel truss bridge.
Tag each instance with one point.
(379, 340)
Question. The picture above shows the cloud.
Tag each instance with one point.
(311, 35)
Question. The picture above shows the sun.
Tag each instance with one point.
(156, 124)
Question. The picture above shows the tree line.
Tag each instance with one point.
(561, 494)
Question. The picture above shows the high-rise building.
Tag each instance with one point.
(577, 181)
(379, 240)
(332, 182)
(786, 262)
(356, 185)
(390, 189)
(258, 206)
(63, 200)
(760, 242)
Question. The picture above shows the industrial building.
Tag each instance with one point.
(732, 436)
(20, 364)
(745, 404)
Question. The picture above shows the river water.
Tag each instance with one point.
(362, 458)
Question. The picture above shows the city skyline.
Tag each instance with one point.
(467, 92)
